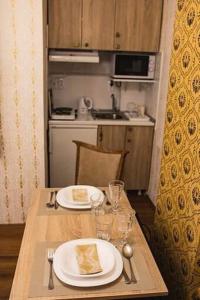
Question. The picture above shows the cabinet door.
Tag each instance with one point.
(64, 23)
(138, 25)
(137, 164)
(111, 137)
(62, 152)
(98, 24)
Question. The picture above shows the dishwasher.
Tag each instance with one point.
(62, 152)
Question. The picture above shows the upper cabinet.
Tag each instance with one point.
(98, 24)
(138, 25)
(64, 28)
(127, 25)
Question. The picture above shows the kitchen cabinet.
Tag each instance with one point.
(98, 24)
(138, 25)
(138, 141)
(128, 25)
(62, 151)
(85, 24)
(64, 30)
(111, 137)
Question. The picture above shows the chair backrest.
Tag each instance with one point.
(97, 167)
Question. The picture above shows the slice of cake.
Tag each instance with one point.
(80, 195)
(88, 259)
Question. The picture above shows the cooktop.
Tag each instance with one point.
(63, 113)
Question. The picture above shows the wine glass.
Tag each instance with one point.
(116, 188)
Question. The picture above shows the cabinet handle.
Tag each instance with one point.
(86, 44)
(130, 129)
(117, 46)
(129, 141)
(117, 34)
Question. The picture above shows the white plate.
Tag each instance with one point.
(90, 281)
(66, 254)
(64, 196)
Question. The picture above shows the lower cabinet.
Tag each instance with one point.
(138, 141)
(62, 151)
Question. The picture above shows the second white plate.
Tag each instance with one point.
(64, 196)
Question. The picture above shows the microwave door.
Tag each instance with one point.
(132, 66)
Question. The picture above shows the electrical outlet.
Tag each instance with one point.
(57, 83)
(60, 83)
(54, 83)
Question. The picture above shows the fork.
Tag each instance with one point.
(50, 255)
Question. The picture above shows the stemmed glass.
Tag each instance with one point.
(116, 188)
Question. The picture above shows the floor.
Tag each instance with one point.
(10, 240)
(11, 236)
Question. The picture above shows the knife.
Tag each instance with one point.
(56, 205)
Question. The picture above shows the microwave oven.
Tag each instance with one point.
(133, 66)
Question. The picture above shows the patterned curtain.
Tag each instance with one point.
(177, 218)
(21, 106)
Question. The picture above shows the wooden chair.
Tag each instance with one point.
(97, 167)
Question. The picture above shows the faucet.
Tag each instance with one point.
(114, 103)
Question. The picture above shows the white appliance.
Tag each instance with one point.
(74, 56)
(63, 113)
(84, 106)
(62, 152)
(133, 66)
(59, 113)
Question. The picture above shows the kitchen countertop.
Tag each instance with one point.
(101, 122)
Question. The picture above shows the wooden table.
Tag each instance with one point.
(55, 226)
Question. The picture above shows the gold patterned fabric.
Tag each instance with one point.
(177, 219)
(21, 107)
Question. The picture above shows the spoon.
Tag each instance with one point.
(127, 252)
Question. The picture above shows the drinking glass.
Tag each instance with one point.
(126, 219)
(104, 221)
(116, 188)
(132, 109)
(95, 201)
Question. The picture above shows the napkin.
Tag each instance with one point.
(88, 259)
(80, 195)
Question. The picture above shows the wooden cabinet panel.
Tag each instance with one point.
(65, 23)
(129, 25)
(138, 141)
(137, 164)
(137, 25)
(98, 24)
(111, 137)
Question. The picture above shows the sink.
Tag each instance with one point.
(109, 115)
